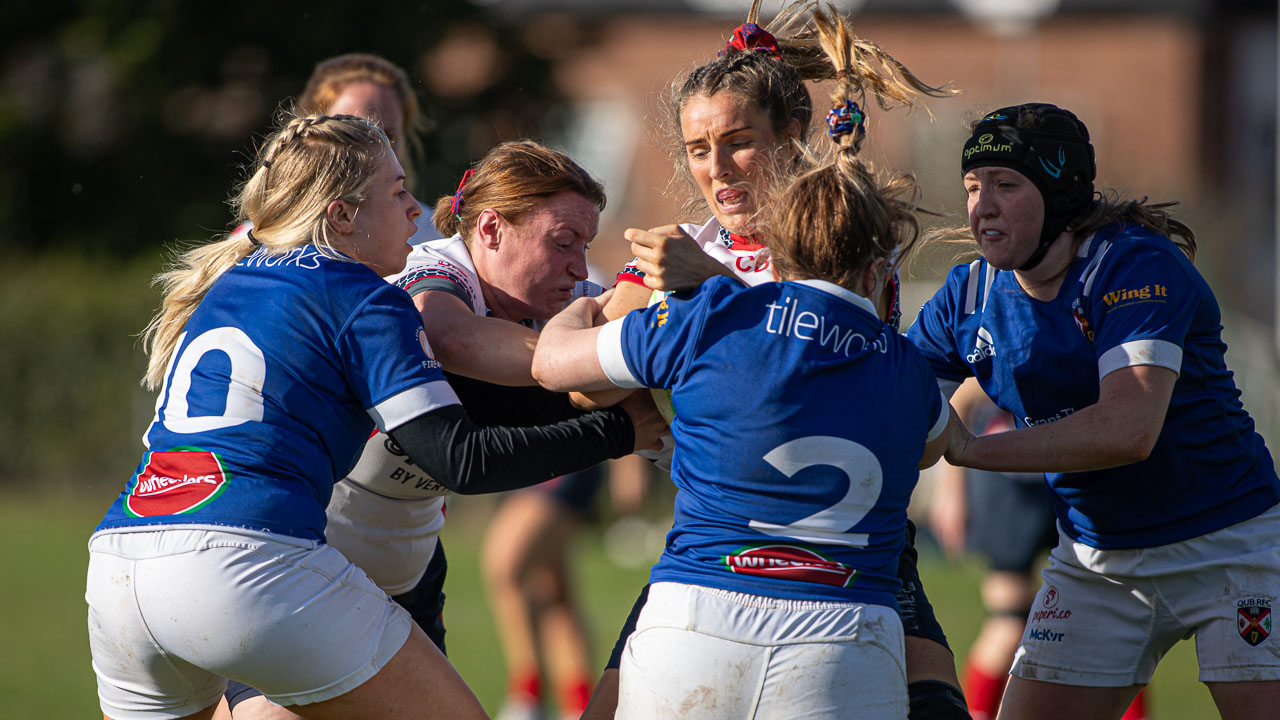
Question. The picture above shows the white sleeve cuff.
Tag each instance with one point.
(609, 351)
(948, 388)
(941, 423)
(405, 406)
(1160, 353)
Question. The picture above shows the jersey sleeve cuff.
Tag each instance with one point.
(943, 416)
(441, 283)
(409, 404)
(1160, 353)
(609, 351)
(627, 277)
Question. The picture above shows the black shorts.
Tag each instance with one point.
(917, 615)
(1011, 520)
(425, 603)
(914, 608)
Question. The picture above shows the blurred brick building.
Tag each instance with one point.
(1180, 96)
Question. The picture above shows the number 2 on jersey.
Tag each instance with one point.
(829, 525)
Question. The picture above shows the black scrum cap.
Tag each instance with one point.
(1051, 147)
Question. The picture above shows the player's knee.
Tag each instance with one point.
(933, 700)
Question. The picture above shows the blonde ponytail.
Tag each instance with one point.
(301, 168)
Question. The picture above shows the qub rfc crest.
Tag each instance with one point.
(1254, 623)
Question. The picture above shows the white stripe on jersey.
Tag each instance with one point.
(609, 351)
(400, 409)
(971, 292)
(1160, 353)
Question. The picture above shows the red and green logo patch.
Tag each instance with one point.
(176, 482)
(790, 562)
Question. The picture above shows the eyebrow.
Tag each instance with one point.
(726, 133)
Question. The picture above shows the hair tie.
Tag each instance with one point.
(750, 36)
(266, 164)
(846, 120)
(252, 240)
(455, 207)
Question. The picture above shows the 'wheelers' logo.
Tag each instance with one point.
(1253, 619)
(172, 483)
(790, 563)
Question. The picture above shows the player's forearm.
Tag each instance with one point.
(1120, 429)
(494, 351)
(1090, 439)
(471, 460)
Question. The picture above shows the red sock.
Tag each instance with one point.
(574, 696)
(982, 692)
(1138, 708)
(525, 684)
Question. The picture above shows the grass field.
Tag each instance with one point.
(45, 671)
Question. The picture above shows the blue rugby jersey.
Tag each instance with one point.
(800, 418)
(1130, 297)
(279, 376)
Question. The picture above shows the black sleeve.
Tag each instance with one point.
(471, 460)
(491, 404)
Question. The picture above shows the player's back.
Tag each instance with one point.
(800, 419)
(269, 395)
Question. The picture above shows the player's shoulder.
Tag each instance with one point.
(1121, 249)
(446, 258)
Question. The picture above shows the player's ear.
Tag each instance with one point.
(872, 280)
(341, 216)
(488, 228)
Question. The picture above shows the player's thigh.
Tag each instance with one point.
(514, 539)
(1033, 700)
(1246, 700)
(260, 708)
(417, 683)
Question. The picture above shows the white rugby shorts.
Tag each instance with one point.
(174, 612)
(1104, 618)
(702, 652)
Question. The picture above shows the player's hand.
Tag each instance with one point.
(670, 259)
(649, 424)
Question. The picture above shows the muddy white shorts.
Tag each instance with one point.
(174, 612)
(701, 652)
(1104, 618)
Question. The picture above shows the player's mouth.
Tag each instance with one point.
(990, 235)
(732, 200)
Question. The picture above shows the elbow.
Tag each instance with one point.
(1133, 445)
(542, 372)
(547, 372)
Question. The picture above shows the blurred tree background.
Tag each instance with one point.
(124, 127)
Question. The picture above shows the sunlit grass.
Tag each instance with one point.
(45, 670)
